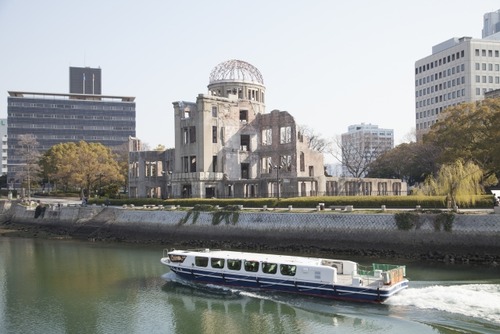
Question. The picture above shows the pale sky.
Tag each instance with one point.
(328, 63)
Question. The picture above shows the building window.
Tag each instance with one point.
(478, 66)
(303, 161)
(192, 165)
(245, 171)
(285, 135)
(243, 116)
(185, 135)
(267, 137)
(484, 66)
(267, 165)
(245, 143)
(478, 79)
(192, 134)
(214, 111)
(185, 164)
(477, 52)
(286, 162)
(214, 163)
(214, 134)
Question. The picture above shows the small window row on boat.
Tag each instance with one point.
(250, 266)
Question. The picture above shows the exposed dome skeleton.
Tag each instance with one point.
(236, 70)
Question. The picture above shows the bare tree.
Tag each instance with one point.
(29, 171)
(355, 158)
(314, 140)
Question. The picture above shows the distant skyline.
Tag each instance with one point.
(330, 64)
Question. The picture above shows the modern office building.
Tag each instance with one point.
(3, 135)
(458, 70)
(227, 145)
(54, 118)
(361, 145)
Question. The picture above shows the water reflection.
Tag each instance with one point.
(52, 287)
(73, 287)
(204, 309)
(210, 310)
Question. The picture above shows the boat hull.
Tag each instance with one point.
(331, 291)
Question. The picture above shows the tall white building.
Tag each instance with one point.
(362, 144)
(3, 135)
(458, 70)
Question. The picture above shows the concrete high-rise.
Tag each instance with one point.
(3, 135)
(361, 145)
(54, 118)
(458, 70)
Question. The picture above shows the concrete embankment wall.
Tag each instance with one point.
(469, 233)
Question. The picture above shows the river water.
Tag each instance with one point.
(61, 286)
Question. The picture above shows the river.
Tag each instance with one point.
(64, 286)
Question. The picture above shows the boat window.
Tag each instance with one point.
(201, 261)
(288, 269)
(269, 268)
(176, 258)
(234, 264)
(252, 266)
(217, 263)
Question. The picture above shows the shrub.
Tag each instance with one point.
(406, 220)
(444, 219)
(230, 217)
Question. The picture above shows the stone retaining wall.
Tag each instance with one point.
(474, 233)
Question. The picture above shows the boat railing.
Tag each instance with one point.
(388, 273)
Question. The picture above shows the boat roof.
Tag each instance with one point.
(262, 257)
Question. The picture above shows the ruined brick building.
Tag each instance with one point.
(227, 145)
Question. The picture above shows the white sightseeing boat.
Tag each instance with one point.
(327, 278)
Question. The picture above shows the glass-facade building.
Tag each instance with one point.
(58, 118)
